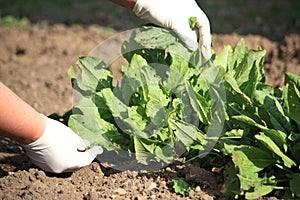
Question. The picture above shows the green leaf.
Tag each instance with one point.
(239, 53)
(218, 105)
(294, 183)
(93, 128)
(235, 133)
(144, 150)
(249, 162)
(268, 142)
(245, 60)
(260, 191)
(231, 185)
(137, 61)
(155, 37)
(156, 94)
(156, 105)
(179, 49)
(223, 58)
(277, 116)
(249, 157)
(199, 104)
(181, 187)
(295, 149)
(175, 76)
(254, 77)
(192, 22)
(243, 98)
(277, 136)
(121, 115)
(292, 98)
(181, 65)
(93, 77)
(268, 89)
(292, 78)
(274, 113)
(241, 160)
(186, 133)
(254, 61)
(174, 82)
(138, 115)
(165, 152)
(136, 82)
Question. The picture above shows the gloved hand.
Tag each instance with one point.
(59, 149)
(174, 14)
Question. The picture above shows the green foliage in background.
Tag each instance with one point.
(10, 20)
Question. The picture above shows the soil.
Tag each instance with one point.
(34, 61)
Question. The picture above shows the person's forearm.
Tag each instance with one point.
(125, 3)
(18, 120)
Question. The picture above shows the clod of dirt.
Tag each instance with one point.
(120, 191)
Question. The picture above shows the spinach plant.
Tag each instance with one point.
(173, 103)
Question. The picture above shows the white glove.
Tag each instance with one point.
(57, 149)
(174, 14)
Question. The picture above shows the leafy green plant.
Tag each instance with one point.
(181, 187)
(155, 112)
(262, 133)
(10, 20)
(172, 102)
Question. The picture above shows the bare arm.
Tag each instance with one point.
(18, 120)
(48, 143)
(125, 3)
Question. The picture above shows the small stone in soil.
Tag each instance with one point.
(149, 186)
(120, 191)
(198, 189)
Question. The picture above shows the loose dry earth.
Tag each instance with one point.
(34, 61)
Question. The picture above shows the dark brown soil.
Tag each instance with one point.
(34, 61)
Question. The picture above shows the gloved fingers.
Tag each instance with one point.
(187, 36)
(205, 39)
(72, 161)
(97, 150)
(82, 159)
(82, 144)
(206, 52)
(203, 28)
